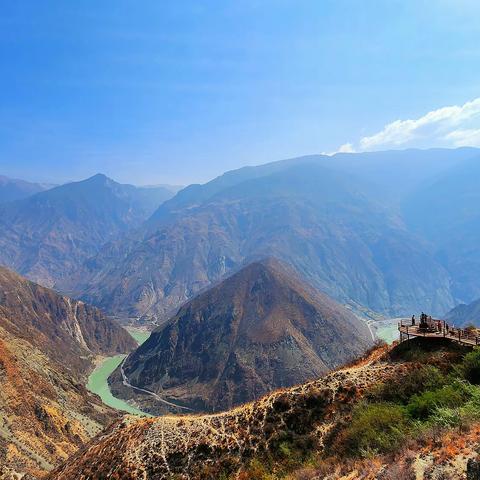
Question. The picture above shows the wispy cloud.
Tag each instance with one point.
(468, 136)
(452, 126)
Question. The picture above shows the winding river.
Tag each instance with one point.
(98, 379)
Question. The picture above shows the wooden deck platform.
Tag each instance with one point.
(436, 330)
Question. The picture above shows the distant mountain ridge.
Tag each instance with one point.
(394, 173)
(465, 314)
(258, 330)
(12, 189)
(48, 235)
(323, 222)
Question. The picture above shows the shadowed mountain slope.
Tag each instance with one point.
(260, 329)
(48, 235)
(47, 346)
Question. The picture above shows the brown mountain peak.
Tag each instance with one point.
(257, 330)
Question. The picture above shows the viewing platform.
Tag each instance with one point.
(438, 329)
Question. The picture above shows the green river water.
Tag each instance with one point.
(97, 381)
(387, 331)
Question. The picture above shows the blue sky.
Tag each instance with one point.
(153, 91)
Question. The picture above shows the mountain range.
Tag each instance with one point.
(256, 331)
(258, 280)
(341, 227)
(49, 235)
(372, 230)
(48, 344)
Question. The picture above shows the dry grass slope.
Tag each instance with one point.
(206, 446)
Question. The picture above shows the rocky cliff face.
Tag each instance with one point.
(48, 235)
(260, 329)
(321, 222)
(64, 329)
(47, 346)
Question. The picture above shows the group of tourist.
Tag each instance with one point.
(426, 322)
(428, 326)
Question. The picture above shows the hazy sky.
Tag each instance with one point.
(152, 91)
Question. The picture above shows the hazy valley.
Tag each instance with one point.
(255, 286)
(346, 233)
(240, 240)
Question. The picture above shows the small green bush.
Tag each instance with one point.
(423, 405)
(256, 470)
(470, 367)
(376, 428)
(285, 450)
(446, 417)
(417, 381)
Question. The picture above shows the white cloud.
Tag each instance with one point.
(453, 126)
(346, 148)
(468, 136)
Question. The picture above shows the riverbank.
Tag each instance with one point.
(98, 379)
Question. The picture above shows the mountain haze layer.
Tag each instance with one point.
(447, 213)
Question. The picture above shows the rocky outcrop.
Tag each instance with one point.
(258, 330)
